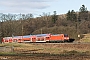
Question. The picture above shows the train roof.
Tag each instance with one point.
(41, 35)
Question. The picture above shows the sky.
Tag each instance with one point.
(38, 7)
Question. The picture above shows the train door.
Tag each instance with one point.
(47, 39)
(34, 39)
(19, 40)
(15, 40)
(10, 40)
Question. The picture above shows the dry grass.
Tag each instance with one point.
(62, 51)
(51, 48)
(86, 38)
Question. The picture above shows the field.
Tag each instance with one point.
(48, 51)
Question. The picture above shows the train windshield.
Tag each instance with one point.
(65, 35)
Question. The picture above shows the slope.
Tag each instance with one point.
(86, 38)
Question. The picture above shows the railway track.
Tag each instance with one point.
(62, 43)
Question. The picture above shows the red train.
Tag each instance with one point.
(37, 38)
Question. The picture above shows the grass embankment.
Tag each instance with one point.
(86, 38)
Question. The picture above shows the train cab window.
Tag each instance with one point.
(47, 37)
(65, 35)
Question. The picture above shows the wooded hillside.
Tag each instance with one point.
(71, 23)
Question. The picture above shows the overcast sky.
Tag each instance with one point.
(37, 7)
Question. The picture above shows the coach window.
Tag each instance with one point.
(47, 37)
